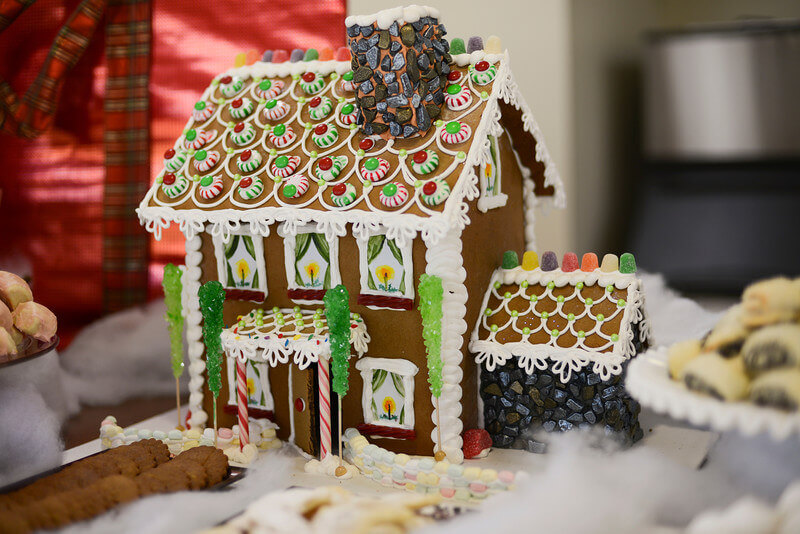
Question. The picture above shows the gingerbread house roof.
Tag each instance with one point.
(279, 142)
(562, 318)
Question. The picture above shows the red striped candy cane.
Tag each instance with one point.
(241, 388)
(324, 408)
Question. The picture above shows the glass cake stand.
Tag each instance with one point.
(648, 381)
(31, 349)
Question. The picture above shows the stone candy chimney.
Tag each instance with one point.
(400, 62)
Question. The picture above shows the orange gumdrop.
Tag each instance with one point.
(589, 262)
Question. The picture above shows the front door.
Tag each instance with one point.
(303, 407)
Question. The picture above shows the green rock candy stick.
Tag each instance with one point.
(337, 312)
(430, 307)
(172, 298)
(212, 296)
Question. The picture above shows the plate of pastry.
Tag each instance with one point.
(743, 375)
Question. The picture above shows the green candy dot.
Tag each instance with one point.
(579, 285)
(621, 303)
(545, 315)
(487, 311)
(453, 89)
(318, 324)
(484, 95)
(281, 162)
(265, 85)
(242, 324)
(200, 106)
(275, 309)
(551, 285)
(191, 135)
(389, 190)
(571, 317)
(279, 130)
(560, 298)
(296, 309)
(453, 127)
(514, 313)
(200, 155)
(271, 104)
(289, 190)
(497, 285)
(360, 150)
(534, 298)
(507, 295)
(589, 302)
(206, 181)
(554, 332)
(402, 152)
(439, 122)
(600, 317)
(494, 328)
(609, 288)
(614, 338)
(347, 108)
(348, 76)
(526, 330)
(524, 284)
(357, 317)
(371, 164)
(581, 334)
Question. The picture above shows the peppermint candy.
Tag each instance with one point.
(347, 81)
(174, 186)
(204, 160)
(296, 186)
(250, 187)
(393, 195)
(241, 108)
(374, 169)
(210, 187)
(174, 160)
(197, 139)
(482, 73)
(229, 86)
(329, 168)
(343, 194)
(319, 107)
(202, 111)
(243, 133)
(325, 135)
(457, 97)
(268, 89)
(348, 114)
(435, 192)
(425, 161)
(275, 110)
(455, 132)
(248, 161)
(284, 166)
(311, 83)
(281, 136)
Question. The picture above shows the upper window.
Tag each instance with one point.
(240, 266)
(387, 274)
(490, 179)
(312, 265)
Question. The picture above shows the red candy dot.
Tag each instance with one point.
(239, 127)
(169, 178)
(420, 157)
(321, 129)
(429, 188)
(169, 154)
(316, 101)
(299, 404)
(237, 103)
(366, 144)
(339, 189)
(245, 155)
(454, 76)
(481, 66)
(226, 79)
(246, 182)
(325, 163)
(309, 77)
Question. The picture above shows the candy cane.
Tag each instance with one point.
(324, 408)
(241, 388)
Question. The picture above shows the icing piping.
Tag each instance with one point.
(194, 331)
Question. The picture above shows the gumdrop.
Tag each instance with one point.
(457, 46)
(266, 57)
(570, 262)
(510, 259)
(343, 54)
(240, 60)
(627, 263)
(530, 260)
(296, 55)
(589, 262)
(610, 263)
(326, 54)
(549, 261)
(311, 54)
(279, 56)
(251, 57)
(474, 44)
(493, 45)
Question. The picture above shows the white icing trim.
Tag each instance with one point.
(261, 69)
(499, 199)
(258, 247)
(444, 259)
(387, 17)
(289, 242)
(264, 379)
(405, 369)
(194, 331)
(408, 267)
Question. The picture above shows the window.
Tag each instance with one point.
(240, 266)
(388, 395)
(490, 179)
(312, 265)
(387, 274)
(259, 396)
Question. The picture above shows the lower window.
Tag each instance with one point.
(388, 396)
(260, 403)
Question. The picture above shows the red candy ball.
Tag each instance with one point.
(429, 188)
(366, 144)
(321, 129)
(237, 103)
(325, 163)
(481, 66)
(169, 154)
(245, 155)
(225, 79)
(246, 182)
(314, 102)
(420, 157)
(339, 189)
(169, 178)
(453, 76)
(309, 77)
(239, 127)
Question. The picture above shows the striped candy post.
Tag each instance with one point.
(241, 388)
(324, 408)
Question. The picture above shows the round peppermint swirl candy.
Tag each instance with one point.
(248, 161)
(284, 166)
(455, 132)
(210, 186)
(241, 108)
(482, 73)
(393, 195)
(174, 160)
(243, 133)
(268, 89)
(311, 83)
(275, 110)
(250, 187)
(343, 194)
(197, 139)
(435, 192)
(425, 161)
(374, 169)
(329, 168)
(325, 135)
(281, 136)
(230, 85)
(296, 186)
(348, 113)
(319, 107)
(457, 97)
(202, 111)
(174, 186)
(347, 81)
(204, 160)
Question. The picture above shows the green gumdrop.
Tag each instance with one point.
(431, 292)
(212, 297)
(627, 263)
(337, 313)
(457, 46)
(172, 298)
(311, 54)
(510, 259)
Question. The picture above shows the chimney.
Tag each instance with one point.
(400, 62)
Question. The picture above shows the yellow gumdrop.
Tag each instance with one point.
(493, 45)
(610, 263)
(240, 60)
(530, 260)
(401, 459)
(441, 467)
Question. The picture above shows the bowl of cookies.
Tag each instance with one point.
(27, 328)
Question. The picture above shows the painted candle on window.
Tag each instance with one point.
(312, 261)
(256, 396)
(240, 262)
(385, 270)
(388, 396)
(491, 170)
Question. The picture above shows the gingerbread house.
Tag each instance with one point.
(397, 156)
(553, 343)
